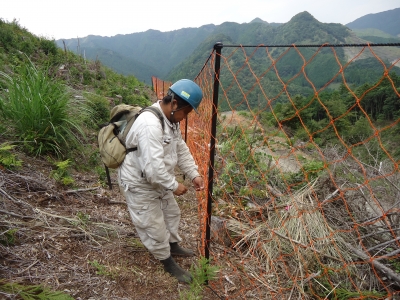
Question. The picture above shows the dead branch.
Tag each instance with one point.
(383, 244)
(375, 263)
(81, 190)
(393, 253)
(15, 215)
(313, 275)
(30, 266)
(384, 177)
(378, 232)
(41, 184)
(17, 201)
(116, 202)
(273, 191)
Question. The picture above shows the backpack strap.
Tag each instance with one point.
(156, 112)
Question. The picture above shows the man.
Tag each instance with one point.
(147, 174)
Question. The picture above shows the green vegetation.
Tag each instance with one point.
(7, 158)
(325, 289)
(260, 73)
(201, 273)
(101, 269)
(387, 21)
(83, 219)
(371, 32)
(141, 54)
(52, 100)
(61, 174)
(379, 106)
(309, 172)
(39, 111)
(8, 237)
(240, 159)
(318, 72)
(32, 292)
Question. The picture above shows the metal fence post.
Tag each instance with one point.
(217, 47)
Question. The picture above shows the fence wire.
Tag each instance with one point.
(305, 190)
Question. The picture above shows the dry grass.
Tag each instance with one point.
(292, 245)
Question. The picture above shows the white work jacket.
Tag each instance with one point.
(158, 152)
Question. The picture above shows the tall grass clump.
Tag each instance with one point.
(39, 112)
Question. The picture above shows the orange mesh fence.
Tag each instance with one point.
(160, 87)
(303, 171)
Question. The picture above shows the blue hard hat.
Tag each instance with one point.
(188, 91)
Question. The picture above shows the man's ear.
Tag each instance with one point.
(174, 104)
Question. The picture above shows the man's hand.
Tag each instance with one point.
(198, 183)
(180, 190)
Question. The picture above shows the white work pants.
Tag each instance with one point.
(156, 218)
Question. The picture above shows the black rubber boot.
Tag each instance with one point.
(177, 250)
(172, 268)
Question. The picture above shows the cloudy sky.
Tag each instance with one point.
(78, 18)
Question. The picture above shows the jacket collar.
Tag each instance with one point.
(157, 104)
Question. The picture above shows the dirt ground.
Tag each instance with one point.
(82, 242)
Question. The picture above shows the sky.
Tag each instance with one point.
(64, 19)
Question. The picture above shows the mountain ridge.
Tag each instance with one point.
(156, 53)
(387, 21)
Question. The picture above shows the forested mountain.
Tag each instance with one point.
(301, 29)
(387, 21)
(155, 53)
(144, 54)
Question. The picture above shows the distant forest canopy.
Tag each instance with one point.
(322, 70)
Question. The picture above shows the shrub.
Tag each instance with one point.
(98, 109)
(48, 47)
(61, 174)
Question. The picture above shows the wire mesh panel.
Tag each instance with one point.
(306, 186)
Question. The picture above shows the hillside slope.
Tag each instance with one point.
(157, 51)
(387, 21)
(73, 239)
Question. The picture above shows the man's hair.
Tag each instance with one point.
(181, 103)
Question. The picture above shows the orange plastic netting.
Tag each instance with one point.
(306, 187)
(160, 87)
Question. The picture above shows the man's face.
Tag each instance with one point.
(181, 113)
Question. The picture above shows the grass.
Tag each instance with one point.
(39, 111)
